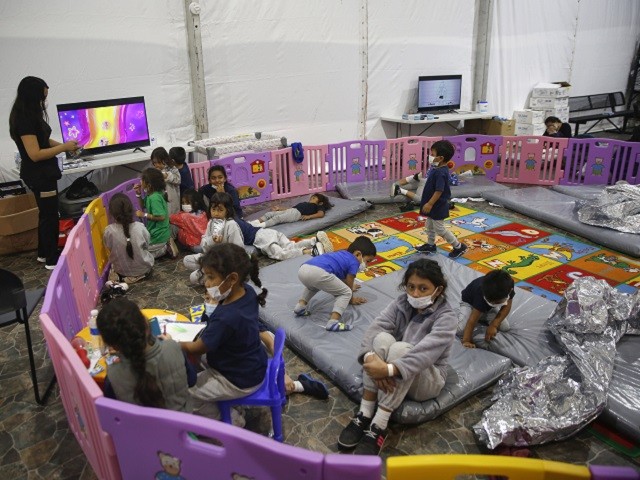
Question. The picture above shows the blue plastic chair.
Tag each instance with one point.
(270, 394)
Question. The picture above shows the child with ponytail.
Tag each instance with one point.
(148, 371)
(236, 360)
(128, 243)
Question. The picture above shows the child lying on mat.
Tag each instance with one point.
(488, 300)
(317, 205)
(404, 353)
(335, 273)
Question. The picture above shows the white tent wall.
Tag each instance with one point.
(98, 50)
(589, 43)
(421, 38)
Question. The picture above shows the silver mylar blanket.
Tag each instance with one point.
(562, 394)
(618, 208)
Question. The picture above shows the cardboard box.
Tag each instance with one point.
(529, 116)
(18, 223)
(552, 90)
(490, 127)
(544, 103)
(561, 112)
(535, 129)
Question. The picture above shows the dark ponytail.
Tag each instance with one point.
(121, 209)
(123, 327)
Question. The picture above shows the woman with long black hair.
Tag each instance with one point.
(30, 130)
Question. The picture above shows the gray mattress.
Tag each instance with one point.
(558, 209)
(341, 210)
(585, 192)
(377, 191)
(335, 353)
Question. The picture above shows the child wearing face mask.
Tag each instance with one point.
(435, 201)
(190, 223)
(236, 360)
(335, 274)
(488, 300)
(404, 353)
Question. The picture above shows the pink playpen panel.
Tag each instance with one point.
(355, 161)
(290, 179)
(249, 173)
(531, 160)
(83, 272)
(153, 443)
(79, 393)
(601, 161)
(199, 173)
(59, 303)
(478, 153)
(407, 156)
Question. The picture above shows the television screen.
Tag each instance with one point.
(440, 92)
(106, 125)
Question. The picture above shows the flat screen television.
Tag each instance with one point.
(438, 93)
(105, 126)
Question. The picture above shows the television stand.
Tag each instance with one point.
(138, 149)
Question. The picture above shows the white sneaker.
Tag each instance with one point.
(256, 223)
(323, 238)
(42, 259)
(317, 249)
(49, 267)
(196, 278)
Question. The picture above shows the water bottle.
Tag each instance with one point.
(96, 339)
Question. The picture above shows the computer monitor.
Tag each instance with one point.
(105, 126)
(438, 93)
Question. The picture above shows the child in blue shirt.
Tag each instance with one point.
(335, 273)
(179, 156)
(435, 201)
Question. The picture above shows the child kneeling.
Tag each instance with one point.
(404, 354)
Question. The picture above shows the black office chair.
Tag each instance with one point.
(16, 306)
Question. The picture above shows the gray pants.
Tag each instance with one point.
(158, 249)
(464, 312)
(315, 279)
(418, 186)
(282, 216)
(437, 227)
(427, 384)
(276, 245)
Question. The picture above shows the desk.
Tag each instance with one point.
(451, 119)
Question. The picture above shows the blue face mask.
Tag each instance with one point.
(209, 308)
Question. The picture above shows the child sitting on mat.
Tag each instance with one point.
(163, 162)
(316, 207)
(235, 357)
(218, 183)
(404, 353)
(190, 224)
(488, 300)
(179, 156)
(128, 243)
(435, 201)
(157, 213)
(335, 273)
(147, 371)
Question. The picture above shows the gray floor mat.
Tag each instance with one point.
(585, 192)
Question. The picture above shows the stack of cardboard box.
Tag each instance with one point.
(547, 99)
(529, 122)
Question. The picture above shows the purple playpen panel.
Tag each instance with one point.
(355, 161)
(353, 467)
(290, 179)
(478, 153)
(79, 393)
(83, 272)
(199, 173)
(407, 156)
(59, 303)
(153, 443)
(602, 472)
(249, 173)
(601, 161)
(531, 160)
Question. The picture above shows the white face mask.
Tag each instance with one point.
(362, 267)
(187, 208)
(433, 161)
(209, 308)
(420, 302)
(216, 294)
(496, 305)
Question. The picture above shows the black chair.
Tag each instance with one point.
(16, 306)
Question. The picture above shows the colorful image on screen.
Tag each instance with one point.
(104, 126)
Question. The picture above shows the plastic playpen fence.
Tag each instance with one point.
(531, 160)
(601, 161)
(355, 161)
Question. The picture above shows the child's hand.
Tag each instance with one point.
(276, 209)
(468, 344)
(165, 175)
(217, 238)
(357, 300)
(375, 367)
(426, 208)
(492, 331)
(304, 217)
(164, 336)
(219, 188)
(387, 385)
(139, 213)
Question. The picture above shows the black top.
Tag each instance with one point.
(185, 178)
(42, 175)
(564, 132)
(472, 295)
(248, 231)
(308, 208)
(437, 181)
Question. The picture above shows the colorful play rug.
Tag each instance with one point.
(542, 262)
